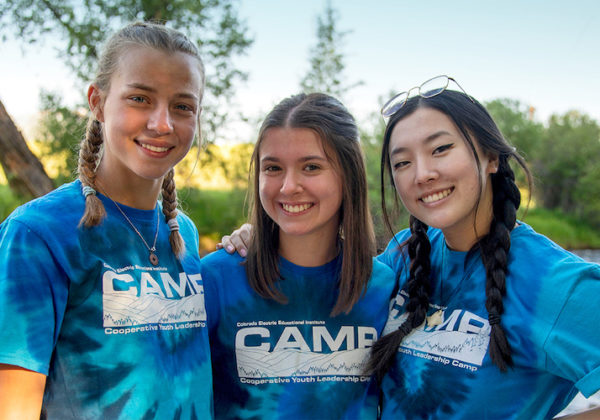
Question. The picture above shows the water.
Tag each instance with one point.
(592, 255)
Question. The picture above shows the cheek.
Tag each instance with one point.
(187, 131)
(264, 190)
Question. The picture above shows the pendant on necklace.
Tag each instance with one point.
(153, 258)
(435, 318)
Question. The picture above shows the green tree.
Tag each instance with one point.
(567, 167)
(327, 64)
(517, 125)
(84, 25)
(60, 129)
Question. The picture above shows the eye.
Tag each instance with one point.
(138, 99)
(443, 148)
(271, 168)
(184, 107)
(311, 167)
(400, 164)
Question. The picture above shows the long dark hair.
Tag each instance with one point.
(335, 126)
(475, 125)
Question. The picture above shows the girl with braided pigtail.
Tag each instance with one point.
(101, 295)
(492, 320)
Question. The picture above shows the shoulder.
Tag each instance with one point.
(381, 270)
(185, 222)
(382, 277)
(221, 261)
(60, 209)
(534, 249)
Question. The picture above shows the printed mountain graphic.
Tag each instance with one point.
(465, 347)
(292, 362)
(121, 309)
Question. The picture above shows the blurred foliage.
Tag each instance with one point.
(8, 201)
(326, 73)
(214, 212)
(82, 27)
(60, 129)
(567, 166)
(562, 156)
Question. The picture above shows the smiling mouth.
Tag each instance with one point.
(296, 208)
(155, 149)
(432, 198)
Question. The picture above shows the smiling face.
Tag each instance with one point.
(149, 114)
(436, 176)
(299, 188)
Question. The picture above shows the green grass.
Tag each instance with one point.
(567, 231)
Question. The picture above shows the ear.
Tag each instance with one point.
(493, 163)
(96, 102)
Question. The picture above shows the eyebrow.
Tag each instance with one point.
(147, 88)
(426, 141)
(302, 159)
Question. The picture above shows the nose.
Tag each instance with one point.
(425, 172)
(291, 183)
(160, 120)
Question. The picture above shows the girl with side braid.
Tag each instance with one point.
(492, 320)
(102, 301)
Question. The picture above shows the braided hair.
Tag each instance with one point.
(474, 122)
(139, 34)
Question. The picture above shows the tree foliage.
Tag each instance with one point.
(83, 25)
(327, 64)
(516, 123)
(562, 156)
(60, 130)
(567, 166)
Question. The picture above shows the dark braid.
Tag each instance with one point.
(89, 156)
(494, 254)
(384, 350)
(169, 202)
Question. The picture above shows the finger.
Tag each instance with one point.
(226, 243)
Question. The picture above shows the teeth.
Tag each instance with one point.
(154, 148)
(437, 196)
(297, 208)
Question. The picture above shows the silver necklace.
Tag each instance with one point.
(152, 257)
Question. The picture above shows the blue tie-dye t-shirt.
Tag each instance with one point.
(550, 318)
(118, 337)
(294, 360)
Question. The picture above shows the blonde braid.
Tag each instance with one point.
(89, 156)
(169, 202)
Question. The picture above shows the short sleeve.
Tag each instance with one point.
(33, 294)
(573, 345)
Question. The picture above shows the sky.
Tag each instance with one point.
(544, 53)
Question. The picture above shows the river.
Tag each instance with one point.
(592, 255)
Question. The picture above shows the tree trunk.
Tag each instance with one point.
(24, 172)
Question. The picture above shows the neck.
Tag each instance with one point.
(464, 236)
(133, 191)
(312, 251)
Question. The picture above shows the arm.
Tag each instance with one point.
(21, 393)
(237, 241)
